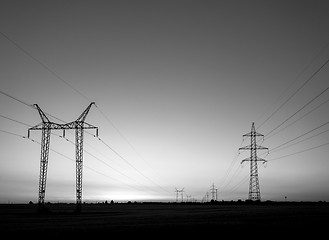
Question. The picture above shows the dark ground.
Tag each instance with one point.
(156, 220)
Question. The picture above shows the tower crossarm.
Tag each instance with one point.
(258, 159)
(248, 147)
(65, 126)
(47, 124)
(44, 126)
(75, 125)
(253, 134)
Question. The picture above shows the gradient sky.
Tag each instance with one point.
(176, 84)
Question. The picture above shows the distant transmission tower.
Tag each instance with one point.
(188, 197)
(213, 191)
(181, 192)
(46, 126)
(254, 190)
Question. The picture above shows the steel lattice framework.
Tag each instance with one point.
(46, 126)
(254, 190)
(179, 191)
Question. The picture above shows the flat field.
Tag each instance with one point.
(166, 219)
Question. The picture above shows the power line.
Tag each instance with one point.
(302, 86)
(8, 118)
(105, 163)
(300, 136)
(307, 113)
(43, 65)
(16, 99)
(14, 134)
(297, 78)
(279, 149)
(131, 164)
(305, 105)
(243, 180)
(27, 104)
(126, 139)
(305, 150)
(236, 172)
(233, 162)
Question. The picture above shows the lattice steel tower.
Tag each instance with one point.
(254, 190)
(179, 191)
(213, 191)
(46, 126)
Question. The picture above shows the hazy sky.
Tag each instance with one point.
(176, 84)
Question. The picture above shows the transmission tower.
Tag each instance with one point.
(213, 191)
(188, 197)
(207, 197)
(46, 126)
(181, 192)
(254, 190)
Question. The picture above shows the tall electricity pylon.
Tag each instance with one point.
(254, 190)
(46, 126)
